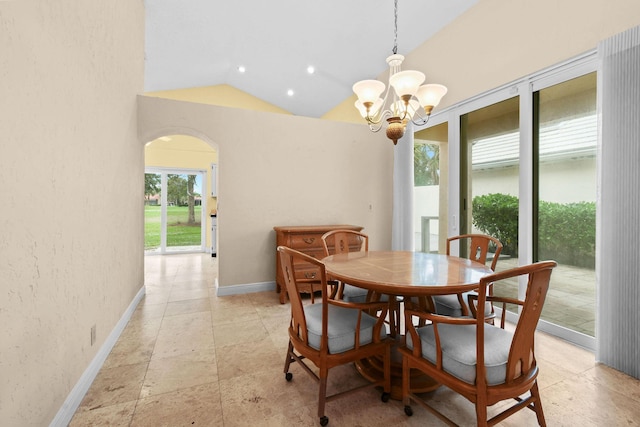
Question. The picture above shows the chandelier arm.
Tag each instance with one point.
(378, 119)
(383, 112)
(420, 118)
(375, 127)
(423, 121)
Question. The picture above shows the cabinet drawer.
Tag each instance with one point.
(302, 242)
(306, 274)
(307, 271)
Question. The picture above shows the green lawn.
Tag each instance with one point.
(178, 232)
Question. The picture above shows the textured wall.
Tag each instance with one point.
(71, 219)
(276, 169)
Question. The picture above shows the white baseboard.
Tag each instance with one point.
(244, 289)
(71, 404)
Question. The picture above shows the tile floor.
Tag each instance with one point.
(189, 358)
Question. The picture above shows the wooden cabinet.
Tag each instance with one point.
(306, 239)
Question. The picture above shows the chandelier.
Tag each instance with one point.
(408, 100)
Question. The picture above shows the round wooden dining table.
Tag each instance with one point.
(404, 274)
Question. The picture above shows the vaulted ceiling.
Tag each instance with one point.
(194, 43)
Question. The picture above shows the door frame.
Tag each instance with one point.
(163, 172)
(524, 88)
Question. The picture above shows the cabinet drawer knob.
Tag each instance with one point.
(310, 275)
(309, 240)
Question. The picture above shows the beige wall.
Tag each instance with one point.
(496, 42)
(71, 192)
(276, 169)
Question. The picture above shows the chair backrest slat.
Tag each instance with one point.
(478, 247)
(344, 241)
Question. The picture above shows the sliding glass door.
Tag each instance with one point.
(565, 135)
(489, 151)
(174, 215)
(430, 167)
(527, 175)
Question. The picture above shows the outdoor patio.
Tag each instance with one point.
(571, 300)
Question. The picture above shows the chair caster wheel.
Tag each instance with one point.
(408, 410)
(288, 376)
(324, 421)
(385, 397)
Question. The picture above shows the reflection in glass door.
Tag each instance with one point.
(184, 212)
(565, 135)
(152, 210)
(489, 183)
(430, 168)
(174, 222)
(490, 168)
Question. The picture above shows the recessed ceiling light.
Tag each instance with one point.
(311, 69)
(290, 92)
(241, 69)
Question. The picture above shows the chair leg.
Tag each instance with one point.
(406, 378)
(322, 395)
(288, 360)
(481, 414)
(537, 406)
(387, 370)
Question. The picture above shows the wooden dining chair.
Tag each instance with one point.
(477, 248)
(329, 333)
(345, 241)
(451, 350)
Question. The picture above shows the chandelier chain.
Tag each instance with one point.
(395, 22)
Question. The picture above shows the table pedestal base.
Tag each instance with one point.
(372, 369)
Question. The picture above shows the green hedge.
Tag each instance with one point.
(567, 232)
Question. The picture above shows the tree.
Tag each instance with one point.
(176, 190)
(426, 164)
(151, 185)
(191, 179)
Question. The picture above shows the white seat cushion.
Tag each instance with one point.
(459, 350)
(449, 305)
(341, 327)
(352, 293)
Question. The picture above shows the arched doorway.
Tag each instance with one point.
(180, 195)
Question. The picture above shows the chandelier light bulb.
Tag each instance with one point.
(368, 90)
(430, 95)
(406, 83)
(373, 110)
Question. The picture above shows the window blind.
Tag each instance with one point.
(618, 236)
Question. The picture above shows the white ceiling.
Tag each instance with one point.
(193, 43)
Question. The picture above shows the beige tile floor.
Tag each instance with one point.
(189, 358)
